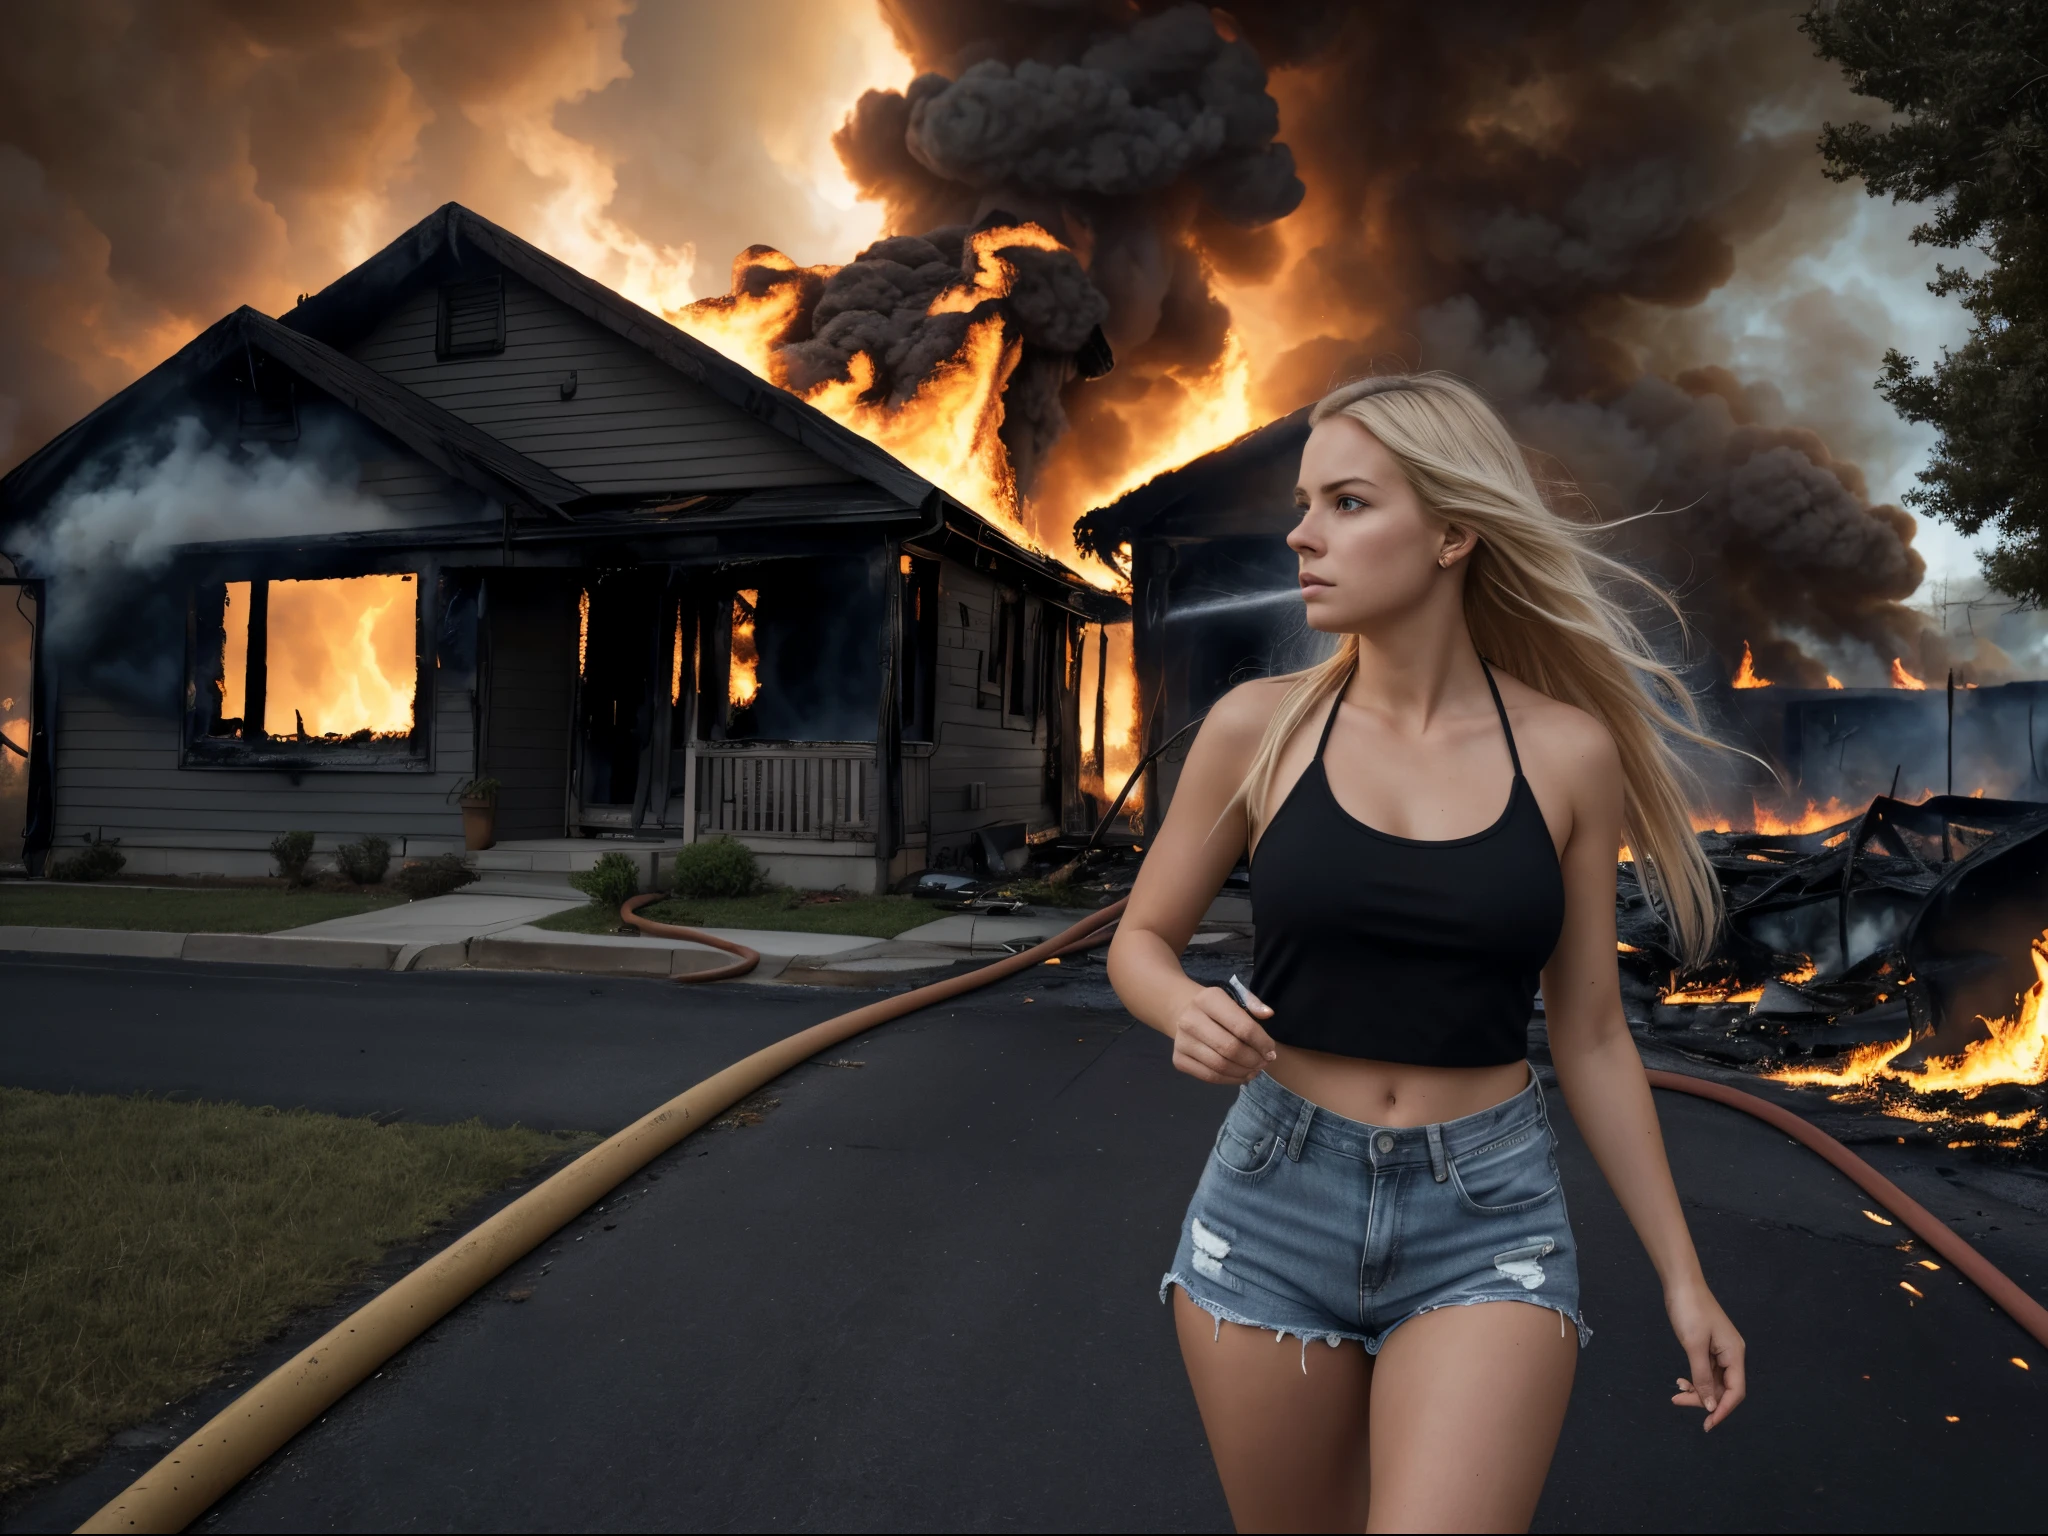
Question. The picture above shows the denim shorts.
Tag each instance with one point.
(1311, 1224)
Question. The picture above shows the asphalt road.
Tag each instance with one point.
(921, 1293)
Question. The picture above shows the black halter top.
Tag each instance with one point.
(1399, 949)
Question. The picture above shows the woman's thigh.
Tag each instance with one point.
(1287, 1429)
(1466, 1407)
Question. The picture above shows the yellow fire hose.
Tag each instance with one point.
(245, 1434)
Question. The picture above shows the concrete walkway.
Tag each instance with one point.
(491, 926)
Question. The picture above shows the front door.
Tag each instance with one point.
(620, 713)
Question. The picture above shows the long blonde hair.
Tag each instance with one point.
(1538, 604)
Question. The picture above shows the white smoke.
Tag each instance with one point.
(177, 491)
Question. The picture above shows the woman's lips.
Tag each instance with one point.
(1312, 583)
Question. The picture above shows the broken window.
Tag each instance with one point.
(306, 672)
(791, 651)
(17, 720)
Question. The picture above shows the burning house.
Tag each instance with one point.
(467, 513)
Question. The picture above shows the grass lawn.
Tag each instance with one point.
(34, 905)
(144, 1244)
(873, 917)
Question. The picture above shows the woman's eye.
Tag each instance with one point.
(1348, 503)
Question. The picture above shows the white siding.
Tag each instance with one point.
(635, 425)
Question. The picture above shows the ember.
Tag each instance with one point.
(1746, 677)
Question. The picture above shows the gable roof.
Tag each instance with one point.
(450, 444)
(345, 309)
(1230, 473)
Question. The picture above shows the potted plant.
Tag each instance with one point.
(479, 801)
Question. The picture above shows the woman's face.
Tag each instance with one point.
(1369, 549)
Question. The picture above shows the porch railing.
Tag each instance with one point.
(819, 790)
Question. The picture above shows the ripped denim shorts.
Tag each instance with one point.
(1311, 1224)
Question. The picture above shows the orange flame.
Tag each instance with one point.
(1834, 681)
(582, 630)
(1706, 992)
(1901, 678)
(1746, 677)
(1775, 823)
(743, 682)
(2015, 1052)
(341, 657)
(675, 665)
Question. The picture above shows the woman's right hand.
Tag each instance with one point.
(1219, 1042)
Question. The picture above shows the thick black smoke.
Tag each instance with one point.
(1116, 135)
(1531, 195)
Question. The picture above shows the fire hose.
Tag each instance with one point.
(245, 1434)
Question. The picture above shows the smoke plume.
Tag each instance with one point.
(1540, 198)
(120, 522)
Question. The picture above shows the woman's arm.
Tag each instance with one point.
(1185, 866)
(1602, 1076)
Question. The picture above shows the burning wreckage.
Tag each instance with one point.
(1898, 959)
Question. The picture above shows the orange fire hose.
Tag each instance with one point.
(1923, 1223)
(748, 958)
(245, 1434)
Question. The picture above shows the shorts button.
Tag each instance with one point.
(1386, 1142)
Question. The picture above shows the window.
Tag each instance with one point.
(306, 673)
(472, 321)
(791, 651)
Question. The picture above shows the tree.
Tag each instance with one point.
(1969, 82)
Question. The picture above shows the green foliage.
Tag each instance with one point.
(610, 882)
(1968, 82)
(365, 860)
(478, 789)
(437, 876)
(94, 863)
(145, 1244)
(718, 868)
(292, 850)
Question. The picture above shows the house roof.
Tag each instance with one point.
(346, 309)
(1241, 471)
(444, 440)
(309, 339)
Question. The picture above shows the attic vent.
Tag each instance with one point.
(472, 318)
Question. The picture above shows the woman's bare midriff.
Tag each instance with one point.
(1390, 1093)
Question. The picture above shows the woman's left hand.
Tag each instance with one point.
(1713, 1347)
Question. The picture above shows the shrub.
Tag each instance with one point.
(437, 876)
(94, 863)
(610, 881)
(477, 789)
(365, 860)
(721, 867)
(292, 850)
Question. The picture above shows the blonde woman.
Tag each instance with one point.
(1432, 815)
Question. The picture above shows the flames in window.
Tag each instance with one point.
(334, 660)
(582, 630)
(743, 680)
(675, 665)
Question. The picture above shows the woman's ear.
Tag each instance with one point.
(1458, 542)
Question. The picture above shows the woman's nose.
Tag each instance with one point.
(1301, 538)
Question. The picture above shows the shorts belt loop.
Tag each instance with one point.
(1302, 1122)
(1438, 1166)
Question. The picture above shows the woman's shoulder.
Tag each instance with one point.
(1555, 734)
(1243, 713)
